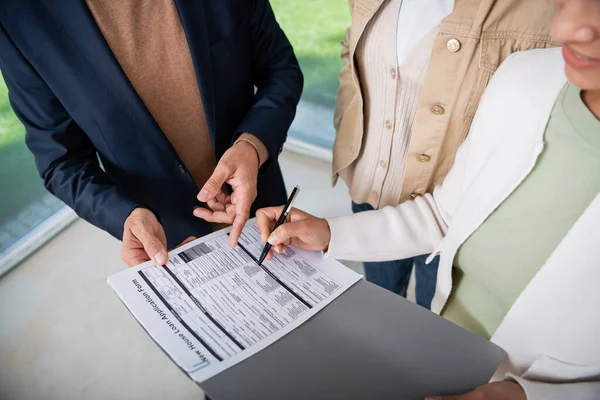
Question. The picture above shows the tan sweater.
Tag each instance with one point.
(148, 41)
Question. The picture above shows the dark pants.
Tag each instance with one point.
(394, 275)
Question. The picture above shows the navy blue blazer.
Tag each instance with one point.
(96, 146)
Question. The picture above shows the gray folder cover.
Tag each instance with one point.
(368, 344)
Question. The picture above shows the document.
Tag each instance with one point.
(212, 306)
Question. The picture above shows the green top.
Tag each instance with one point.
(497, 262)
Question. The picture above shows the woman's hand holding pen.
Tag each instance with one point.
(301, 230)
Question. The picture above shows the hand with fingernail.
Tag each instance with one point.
(300, 230)
(504, 390)
(144, 239)
(239, 168)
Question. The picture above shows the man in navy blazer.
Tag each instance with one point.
(91, 113)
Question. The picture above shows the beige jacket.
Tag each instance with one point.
(470, 45)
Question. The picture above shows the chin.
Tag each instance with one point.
(586, 80)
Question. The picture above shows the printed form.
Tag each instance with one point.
(212, 306)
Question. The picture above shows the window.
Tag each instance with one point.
(25, 206)
(315, 28)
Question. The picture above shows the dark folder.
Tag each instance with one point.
(368, 344)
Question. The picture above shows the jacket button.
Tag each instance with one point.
(181, 168)
(414, 195)
(437, 109)
(424, 158)
(388, 124)
(453, 45)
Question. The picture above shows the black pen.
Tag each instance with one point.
(280, 221)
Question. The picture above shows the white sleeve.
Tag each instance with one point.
(536, 390)
(393, 233)
(410, 229)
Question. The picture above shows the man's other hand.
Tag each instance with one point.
(143, 239)
(239, 168)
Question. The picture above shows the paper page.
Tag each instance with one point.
(212, 306)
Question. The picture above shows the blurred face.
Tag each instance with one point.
(577, 26)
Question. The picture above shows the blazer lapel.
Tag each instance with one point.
(193, 14)
(100, 63)
(362, 13)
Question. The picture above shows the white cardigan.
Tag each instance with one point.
(552, 331)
